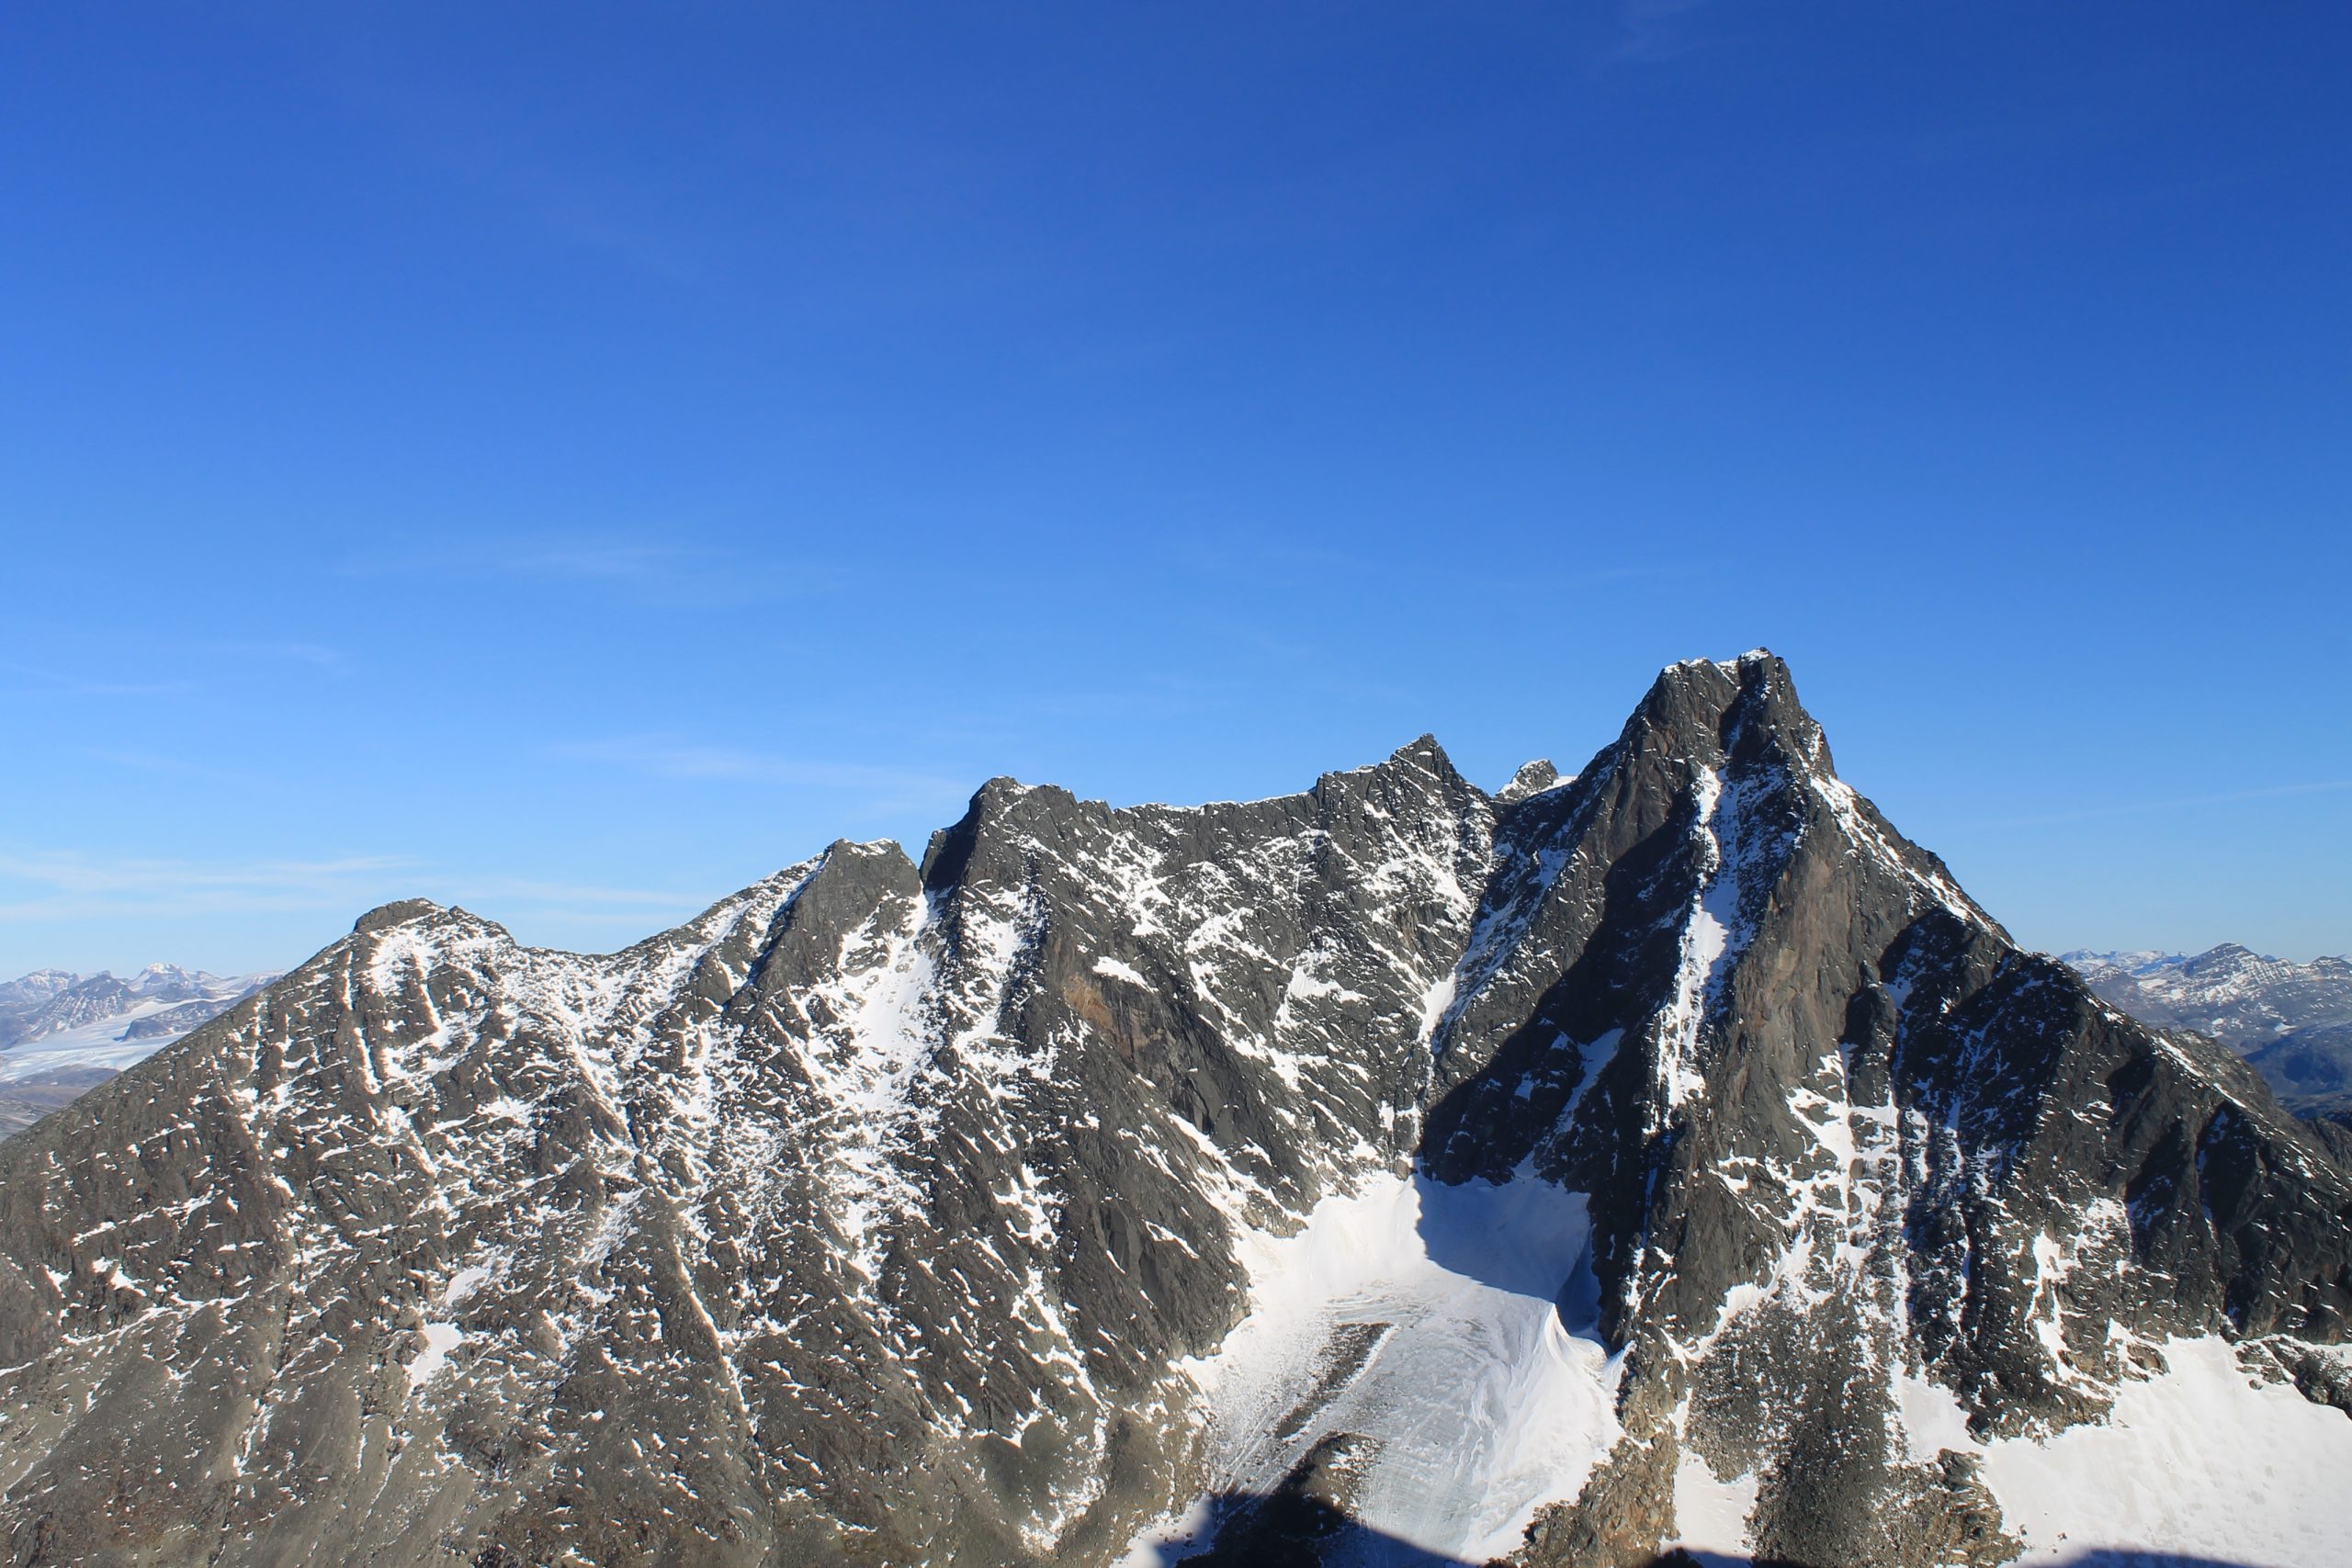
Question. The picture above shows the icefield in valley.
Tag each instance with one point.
(102, 1044)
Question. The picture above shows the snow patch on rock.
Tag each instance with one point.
(435, 1340)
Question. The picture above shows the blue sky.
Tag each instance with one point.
(574, 459)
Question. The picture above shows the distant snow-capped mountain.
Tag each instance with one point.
(50, 1002)
(2292, 1022)
(62, 1033)
(22, 997)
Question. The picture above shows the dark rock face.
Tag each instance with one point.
(866, 1218)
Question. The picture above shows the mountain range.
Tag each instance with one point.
(2292, 1023)
(1666, 1161)
(63, 1033)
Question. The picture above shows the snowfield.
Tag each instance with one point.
(1487, 1404)
(2204, 1461)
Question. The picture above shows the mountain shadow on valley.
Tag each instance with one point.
(1290, 1528)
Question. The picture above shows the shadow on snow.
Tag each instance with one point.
(1285, 1531)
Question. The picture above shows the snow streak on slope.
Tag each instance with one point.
(1429, 1317)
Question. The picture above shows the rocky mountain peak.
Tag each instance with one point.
(1532, 778)
(400, 911)
(1426, 752)
(1706, 709)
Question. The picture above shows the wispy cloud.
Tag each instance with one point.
(563, 558)
(622, 902)
(316, 654)
(25, 680)
(664, 570)
(55, 886)
(610, 562)
(886, 788)
(2180, 803)
(478, 140)
(41, 890)
(174, 767)
(1237, 561)
(1651, 30)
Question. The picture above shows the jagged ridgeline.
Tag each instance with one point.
(1670, 1153)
